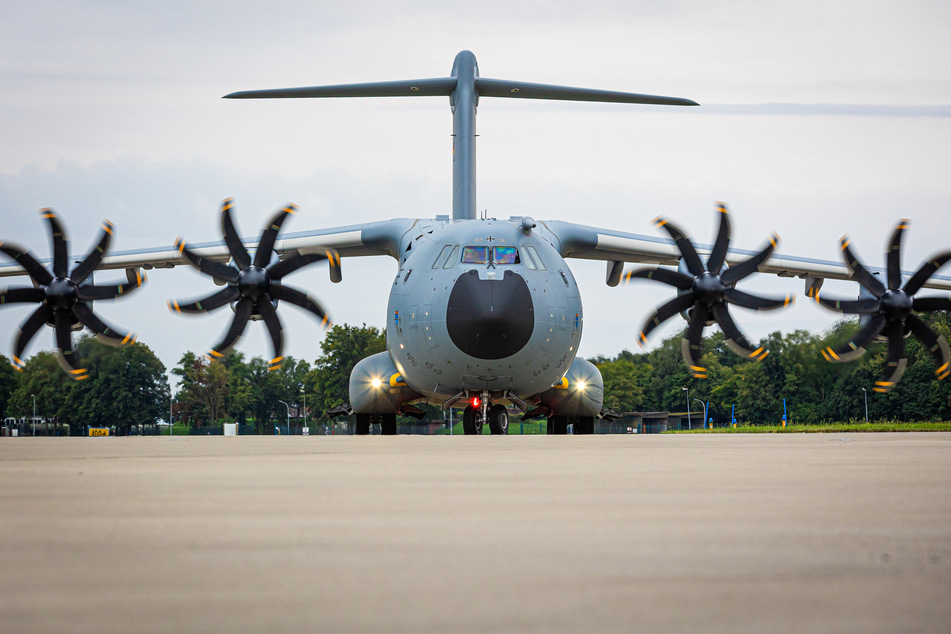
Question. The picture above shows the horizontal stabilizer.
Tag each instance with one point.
(439, 87)
(526, 90)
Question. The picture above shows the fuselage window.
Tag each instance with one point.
(441, 258)
(451, 260)
(475, 255)
(505, 255)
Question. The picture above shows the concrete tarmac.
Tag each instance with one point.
(725, 533)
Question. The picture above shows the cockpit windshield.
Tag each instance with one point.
(475, 255)
(481, 255)
(505, 255)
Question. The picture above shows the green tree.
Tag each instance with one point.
(9, 380)
(43, 378)
(328, 383)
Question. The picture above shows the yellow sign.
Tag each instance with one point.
(98, 431)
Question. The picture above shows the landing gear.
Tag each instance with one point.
(499, 420)
(387, 424)
(558, 425)
(363, 425)
(584, 425)
(472, 420)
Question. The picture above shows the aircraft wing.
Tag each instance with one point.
(617, 247)
(375, 238)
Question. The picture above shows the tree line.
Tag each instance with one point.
(129, 387)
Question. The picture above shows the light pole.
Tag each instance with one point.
(34, 414)
(288, 416)
(170, 423)
(865, 392)
(688, 407)
(304, 394)
(703, 423)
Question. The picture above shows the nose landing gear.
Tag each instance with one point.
(473, 419)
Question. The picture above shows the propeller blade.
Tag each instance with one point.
(92, 261)
(279, 269)
(294, 296)
(104, 332)
(747, 267)
(29, 263)
(40, 316)
(927, 269)
(746, 300)
(64, 342)
(235, 246)
(21, 295)
(91, 292)
(266, 245)
(855, 347)
(60, 244)
(274, 328)
(937, 345)
(734, 338)
(665, 312)
(931, 304)
(242, 313)
(690, 343)
(691, 259)
(221, 272)
(868, 306)
(718, 255)
(859, 272)
(662, 275)
(897, 362)
(213, 301)
(893, 258)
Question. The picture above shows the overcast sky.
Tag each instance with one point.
(817, 119)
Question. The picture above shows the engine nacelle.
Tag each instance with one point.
(376, 386)
(580, 393)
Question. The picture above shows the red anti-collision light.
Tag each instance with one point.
(475, 401)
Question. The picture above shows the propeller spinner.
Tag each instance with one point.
(254, 285)
(63, 298)
(706, 291)
(891, 311)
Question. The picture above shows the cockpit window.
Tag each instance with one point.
(505, 255)
(475, 255)
(532, 255)
(441, 258)
(451, 260)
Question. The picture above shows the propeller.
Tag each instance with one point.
(705, 293)
(891, 312)
(65, 301)
(253, 284)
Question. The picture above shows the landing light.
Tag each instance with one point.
(581, 386)
(376, 383)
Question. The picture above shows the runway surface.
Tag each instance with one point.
(727, 533)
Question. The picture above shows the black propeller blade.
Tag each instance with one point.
(252, 284)
(891, 312)
(706, 291)
(63, 298)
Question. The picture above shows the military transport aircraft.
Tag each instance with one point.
(483, 312)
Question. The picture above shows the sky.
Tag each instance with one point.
(817, 119)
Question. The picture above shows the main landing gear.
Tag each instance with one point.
(387, 424)
(473, 420)
(581, 424)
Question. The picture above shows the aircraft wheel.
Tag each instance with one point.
(471, 420)
(388, 424)
(363, 425)
(584, 425)
(499, 420)
(558, 425)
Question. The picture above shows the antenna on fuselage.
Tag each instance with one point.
(463, 87)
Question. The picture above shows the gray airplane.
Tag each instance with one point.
(483, 313)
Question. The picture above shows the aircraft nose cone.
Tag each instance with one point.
(490, 319)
